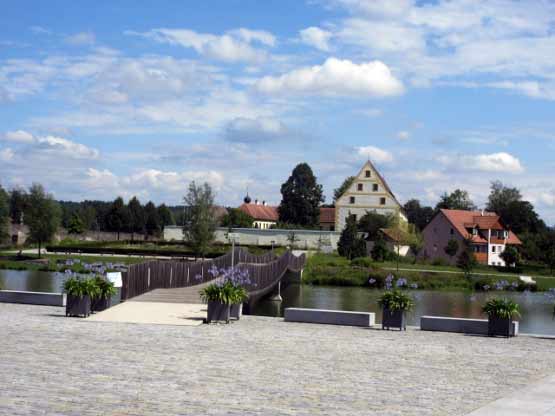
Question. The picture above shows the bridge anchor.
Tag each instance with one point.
(277, 297)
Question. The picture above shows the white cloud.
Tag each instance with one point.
(6, 154)
(39, 30)
(335, 78)
(19, 136)
(232, 46)
(370, 112)
(375, 154)
(81, 39)
(494, 162)
(403, 135)
(258, 130)
(316, 37)
(68, 148)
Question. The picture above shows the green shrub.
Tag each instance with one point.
(106, 288)
(226, 293)
(79, 287)
(439, 261)
(396, 300)
(501, 308)
(361, 262)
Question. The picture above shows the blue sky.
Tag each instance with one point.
(104, 98)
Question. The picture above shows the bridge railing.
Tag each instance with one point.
(263, 270)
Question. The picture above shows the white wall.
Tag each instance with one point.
(304, 239)
(494, 259)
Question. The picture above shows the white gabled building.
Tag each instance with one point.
(368, 192)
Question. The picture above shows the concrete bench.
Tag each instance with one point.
(33, 298)
(324, 316)
(461, 325)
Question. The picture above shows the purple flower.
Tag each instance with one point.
(414, 285)
(198, 277)
(486, 287)
(371, 281)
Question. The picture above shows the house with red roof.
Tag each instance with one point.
(488, 235)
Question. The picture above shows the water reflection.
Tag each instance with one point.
(536, 308)
(31, 280)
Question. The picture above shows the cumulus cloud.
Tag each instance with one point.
(19, 136)
(232, 46)
(335, 78)
(375, 154)
(258, 130)
(6, 154)
(403, 135)
(494, 162)
(316, 37)
(81, 39)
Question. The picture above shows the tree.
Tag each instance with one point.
(117, 218)
(418, 215)
(452, 248)
(200, 225)
(137, 217)
(75, 225)
(18, 203)
(4, 214)
(152, 223)
(42, 216)
(500, 196)
(458, 199)
(301, 198)
(165, 215)
(547, 247)
(350, 245)
(380, 251)
(343, 188)
(467, 260)
(510, 256)
(372, 222)
(235, 218)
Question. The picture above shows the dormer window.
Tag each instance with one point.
(474, 231)
(367, 173)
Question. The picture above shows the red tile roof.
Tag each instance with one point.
(327, 215)
(462, 220)
(260, 212)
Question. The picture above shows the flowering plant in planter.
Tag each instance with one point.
(500, 314)
(225, 297)
(103, 298)
(395, 305)
(79, 294)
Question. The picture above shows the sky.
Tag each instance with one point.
(100, 99)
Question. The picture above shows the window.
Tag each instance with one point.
(359, 187)
(375, 187)
(452, 231)
(474, 231)
(352, 200)
(382, 201)
(493, 249)
(367, 173)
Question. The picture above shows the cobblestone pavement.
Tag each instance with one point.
(52, 365)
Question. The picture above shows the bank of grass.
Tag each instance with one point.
(334, 270)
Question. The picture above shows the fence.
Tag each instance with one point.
(264, 271)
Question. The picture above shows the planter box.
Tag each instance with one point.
(394, 319)
(101, 304)
(324, 316)
(236, 311)
(78, 306)
(218, 312)
(460, 325)
(502, 327)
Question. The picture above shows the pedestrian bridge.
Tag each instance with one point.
(180, 282)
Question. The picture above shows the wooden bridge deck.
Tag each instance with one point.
(188, 294)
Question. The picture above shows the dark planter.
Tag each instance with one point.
(236, 311)
(78, 306)
(500, 327)
(218, 312)
(394, 319)
(100, 304)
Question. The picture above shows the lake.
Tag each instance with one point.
(536, 308)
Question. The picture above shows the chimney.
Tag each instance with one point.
(264, 203)
(256, 202)
(483, 212)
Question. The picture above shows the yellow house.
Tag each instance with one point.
(368, 192)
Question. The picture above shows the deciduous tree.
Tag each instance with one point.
(235, 218)
(118, 216)
(152, 223)
(452, 248)
(343, 188)
(200, 224)
(301, 198)
(350, 245)
(42, 216)
(417, 214)
(4, 215)
(458, 199)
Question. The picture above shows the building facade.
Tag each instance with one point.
(264, 216)
(368, 192)
(486, 231)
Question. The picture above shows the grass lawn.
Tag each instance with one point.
(334, 270)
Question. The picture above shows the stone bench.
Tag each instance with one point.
(461, 325)
(33, 298)
(324, 316)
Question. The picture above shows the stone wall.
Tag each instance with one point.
(304, 239)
